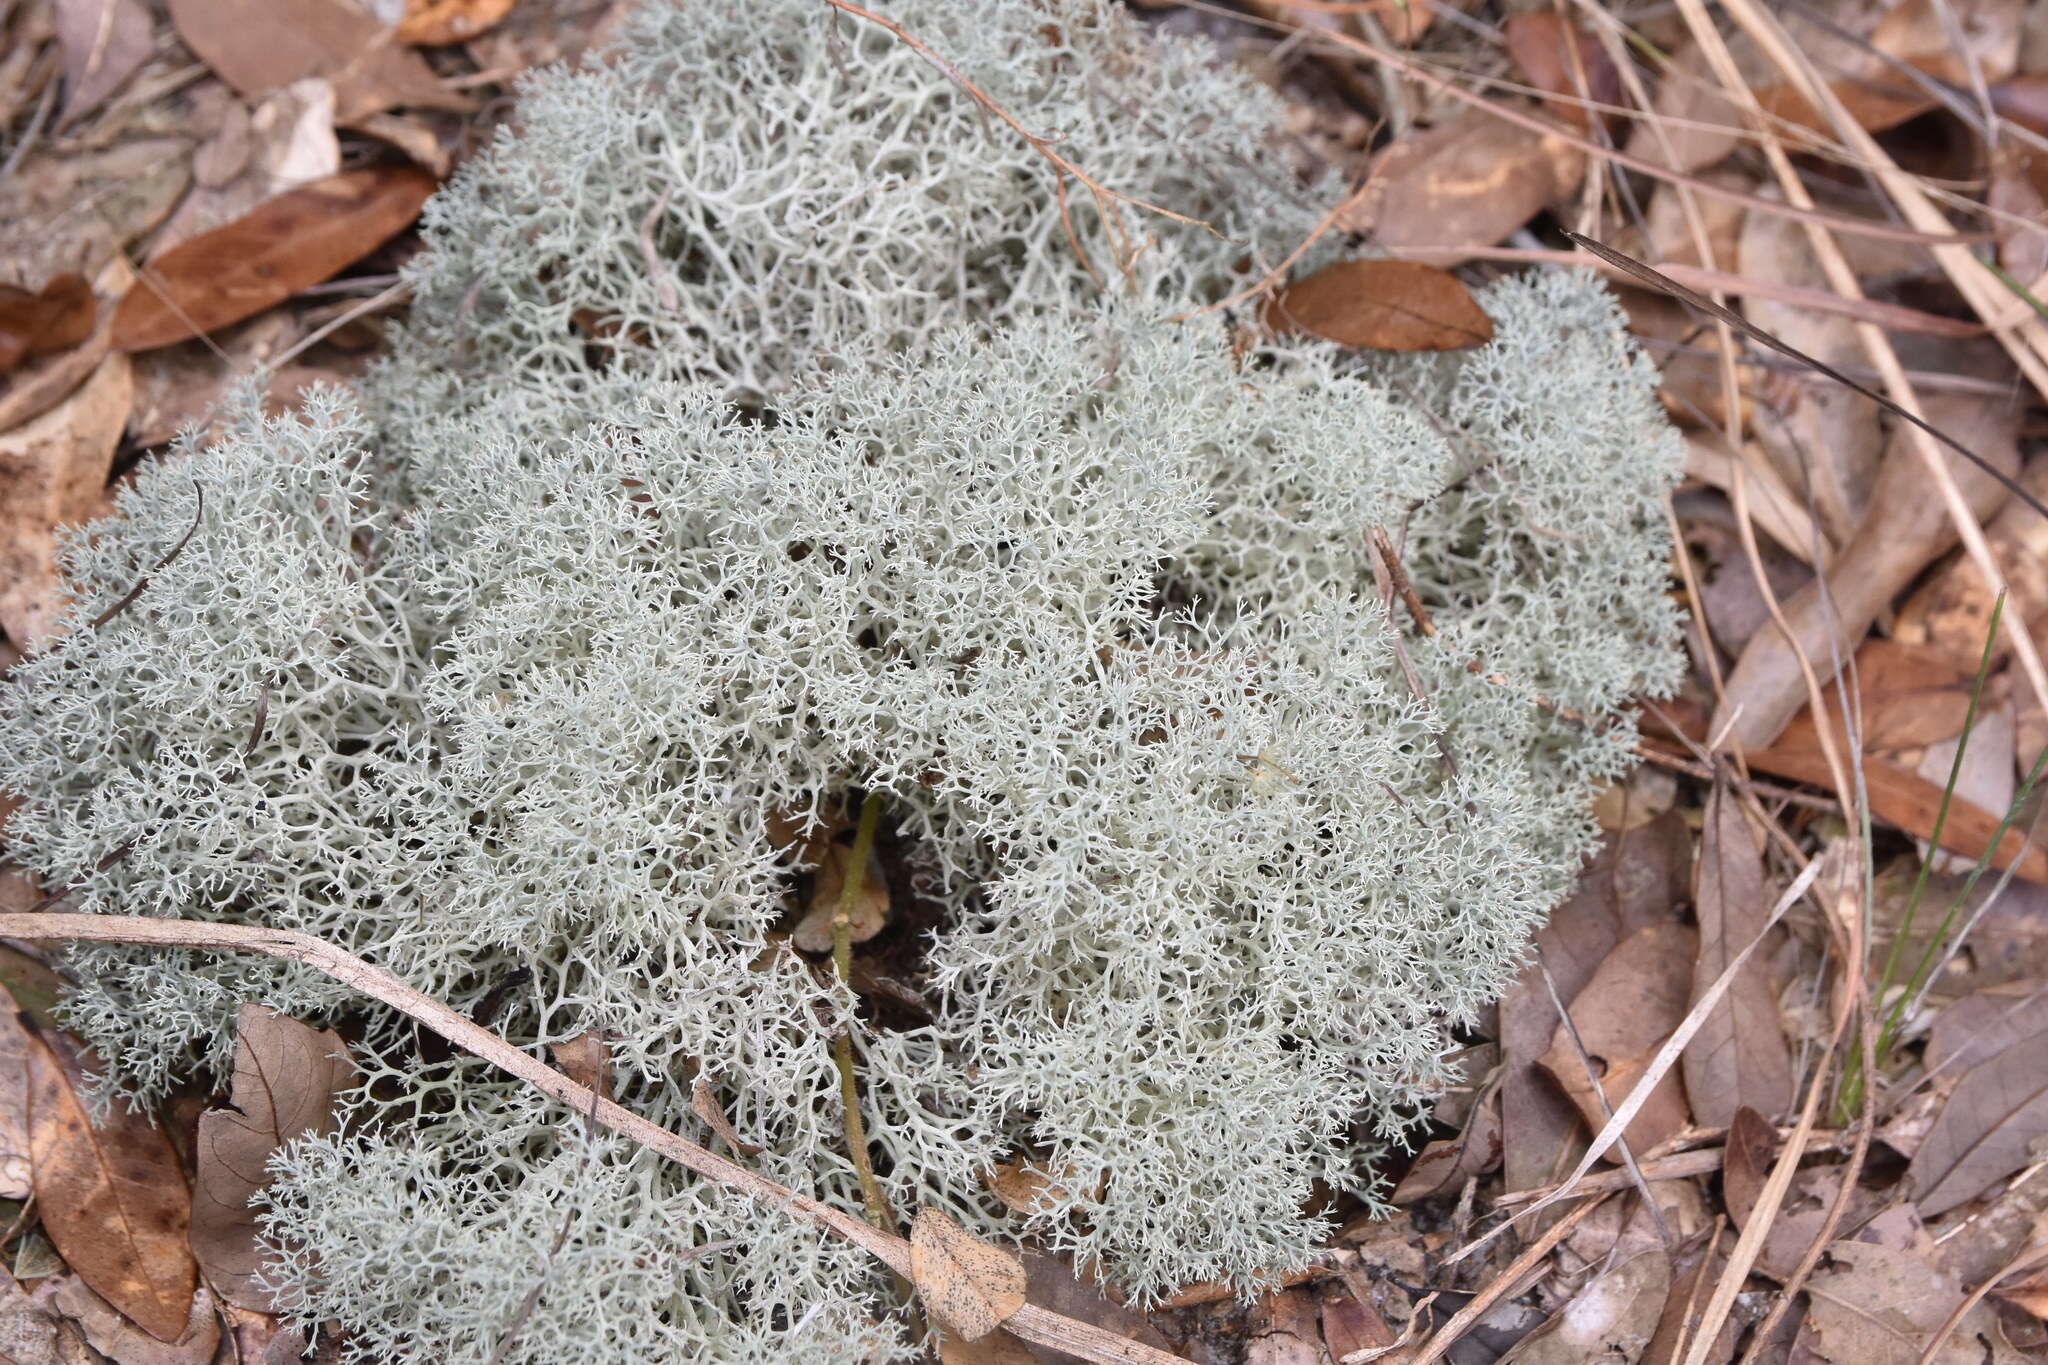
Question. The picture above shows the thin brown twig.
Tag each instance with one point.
(842, 1043)
(1031, 1323)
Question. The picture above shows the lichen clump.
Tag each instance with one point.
(511, 678)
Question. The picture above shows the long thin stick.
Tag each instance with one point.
(1031, 1323)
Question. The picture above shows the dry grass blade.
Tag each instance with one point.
(1032, 1323)
(1658, 280)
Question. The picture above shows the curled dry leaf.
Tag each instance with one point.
(1562, 59)
(704, 1104)
(585, 1059)
(112, 1197)
(298, 239)
(1952, 612)
(1468, 182)
(53, 472)
(1635, 1000)
(286, 1078)
(436, 23)
(1382, 306)
(44, 321)
(1992, 1125)
(1739, 1057)
(970, 1285)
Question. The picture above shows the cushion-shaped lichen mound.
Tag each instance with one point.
(1090, 604)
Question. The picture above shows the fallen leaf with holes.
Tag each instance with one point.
(436, 23)
(285, 1082)
(1993, 1123)
(1468, 182)
(868, 915)
(1634, 1001)
(53, 472)
(585, 1059)
(971, 1285)
(120, 1340)
(1382, 306)
(104, 43)
(298, 239)
(258, 46)
(1611, 1319)
(1874, 1305)
(1740, 1056)
(1564, 60)
(44, 321)
(112, 1197)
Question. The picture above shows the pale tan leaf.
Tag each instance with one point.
(1611, 1320)
(1468, 182)
(113, 1199)
(436, 23)
(704, 1104)
(285, 1082)
(1876, 1305)
(1285, 1330)
(104, 43)
(122, 1342)
(968, 1283)
(869, 914)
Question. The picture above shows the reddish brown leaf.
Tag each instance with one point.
(869, 914)
(436, 23)
(54, 318)
(286, 1078)
(298, 239)
(1739, 1057)
(1052, 1284)
(1581, 71)
(1382, 306)
(1633, 1003)
(113, 1199)
(1746, 1162)
(1865, 75)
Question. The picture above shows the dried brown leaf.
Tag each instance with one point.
(969, 1284)
(28, 1329)
(1382, 306)
(104, 43)
(119, 1340)
(1635, 1000)
(1053, 1285)
(1874, 1305)
(1981, 1025)
(15, 1041)
(704, 1104)
(1611, 1320)
(436, 23)
(585, 1059)
(1992, 1125)
(997, 1348)
(112, 1197)
(1468, 182)
(1740, 1056)
(258, 46)
(1951, 614)
(298, 239)
(1285, 1330)
(53, 472)
(44, 321)
(285, 1082)
(869, 914)
(1446, 1164)
(1537, 44)
(1752, 1148)
(1913, 33)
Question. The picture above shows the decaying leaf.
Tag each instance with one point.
(585, 1059)
(1866, 75)
(119, 1340)
(1562, 59)
(1610, 1321)
(1746, 1161)
(1468, 182)
(1739, 1056)
(112, 1197)
(258, 46)
(297, 239)
(972, 1286)
(1875, 1305)
(1285, 1330)
(1991, 1126)
(1635, 1000)
(44, 321)
(53, 472)
(285, 1082)
(28, 1329)
(1951, 613)
(15, 1042)
(1027, 1188)
(869, 914)
(704, 1104)
(435, 23)
(104, 42)
(1446, 1164)
(1053, 1285)
(1382, 306)
(1981, 1025)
